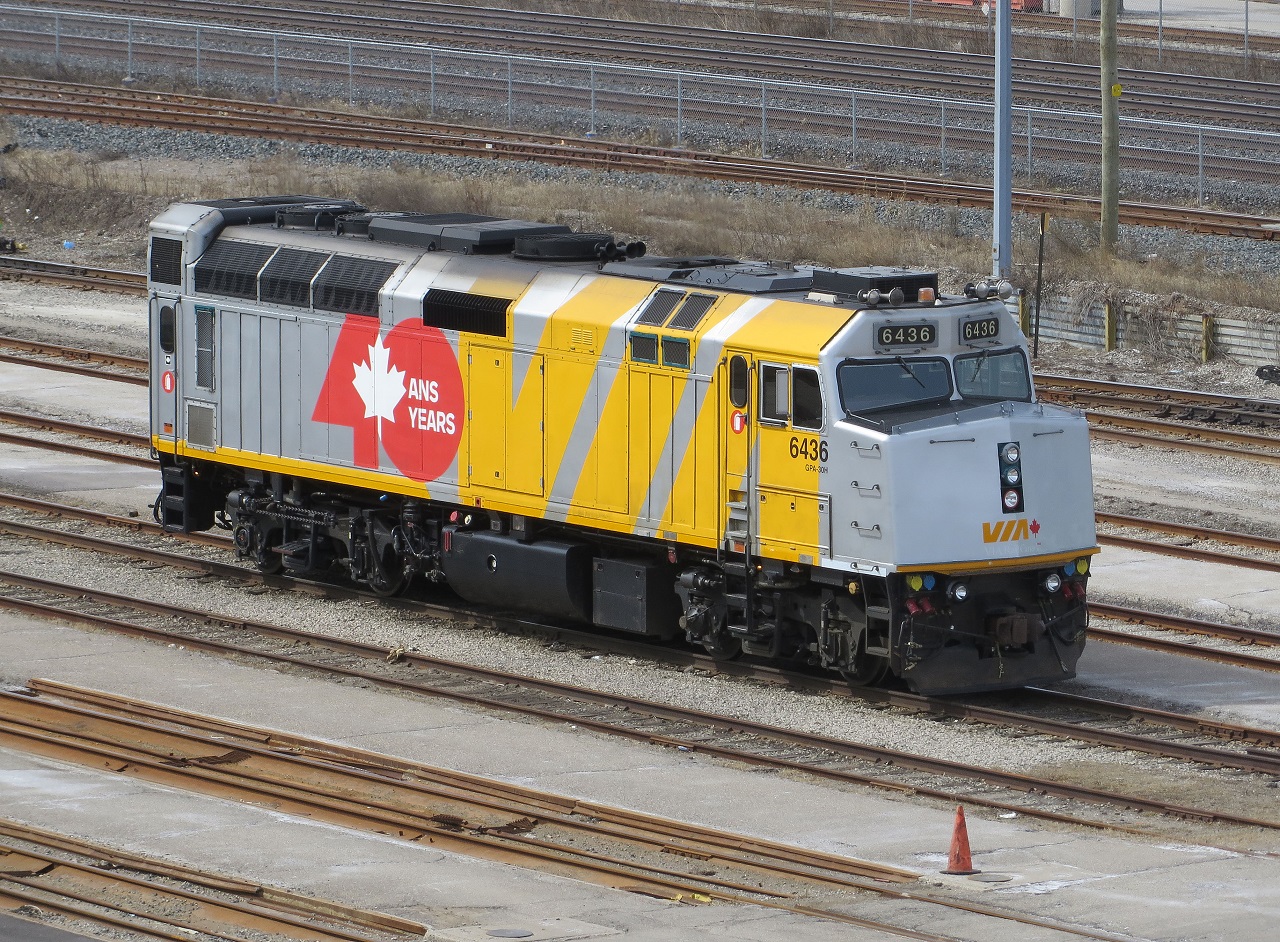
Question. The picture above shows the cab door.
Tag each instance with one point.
(736, 445)
(163, 321)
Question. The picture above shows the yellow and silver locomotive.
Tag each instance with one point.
(835, 467)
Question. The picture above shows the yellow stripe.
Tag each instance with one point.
(1021, 562)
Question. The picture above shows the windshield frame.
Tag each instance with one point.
(900, 363)
(989, 354)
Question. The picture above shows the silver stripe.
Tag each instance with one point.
(532, 315)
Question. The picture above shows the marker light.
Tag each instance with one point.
(914, 583)
(958, 591)
(1052, 582)
(1069, 569)
(1012, 499)
(926, 294)
(930, 582)
(1082, 565)
(1011, 453)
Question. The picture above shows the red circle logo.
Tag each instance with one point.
(167, 381)
(738, 421)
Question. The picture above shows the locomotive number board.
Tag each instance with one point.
(980, 329)
(922, 334)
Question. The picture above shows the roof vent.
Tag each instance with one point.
(575, 247)
(456, 232)
(318, 217)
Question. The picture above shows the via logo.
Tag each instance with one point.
(1002, 531)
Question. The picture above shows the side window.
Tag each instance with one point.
(774, 405)
(168, 328)
(806, 399)
(739, 379)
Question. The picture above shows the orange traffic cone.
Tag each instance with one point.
(960, 863)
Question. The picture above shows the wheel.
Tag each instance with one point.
(722, 646)
(868, 670)
(268, 561)
(393, 582)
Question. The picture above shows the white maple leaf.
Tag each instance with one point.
(380, 385)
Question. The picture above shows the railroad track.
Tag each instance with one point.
(1059, 84)
(673, 727)
(151, 109)
(1189, 404)
(102, 279)
(233, 630)
(120, 892)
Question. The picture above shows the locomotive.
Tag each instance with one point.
(842, 468)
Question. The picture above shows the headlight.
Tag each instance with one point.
(1012, 499)
(1052, 582)
(1012, 475)
(1010, 453)
(957, 591)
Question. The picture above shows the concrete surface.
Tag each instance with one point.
(1131, 887)
(13, 929)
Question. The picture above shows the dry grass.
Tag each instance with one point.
(114, 195)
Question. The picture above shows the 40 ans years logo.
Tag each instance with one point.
(402, 393)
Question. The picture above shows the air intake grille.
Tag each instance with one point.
(692, 311)
(231, 269)
(202, 425)
(644, 348)
(659, 308)
(351, 285)
(675, 352)
(457, 310)
(166, 261)
(287, 277)
(205, 324)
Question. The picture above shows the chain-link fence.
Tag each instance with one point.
(1161, 161)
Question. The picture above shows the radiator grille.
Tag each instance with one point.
(166, 261)
(287, 277)
(644, 348)
(351, 285)
(675, 352)
(458, 310)
(202, 425)
(231, 269)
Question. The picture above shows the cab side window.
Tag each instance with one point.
(739, 382)
(775, 405)
(806, 399)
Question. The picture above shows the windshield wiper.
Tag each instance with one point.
(982, 359)
(910, 372)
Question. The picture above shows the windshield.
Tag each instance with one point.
(1001, 374)
(871, 385)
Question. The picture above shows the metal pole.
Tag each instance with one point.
(1028, 143)
(1035, 342)
(764, 122)
(351, 75)
(1200, 170)
(1160, 33)
(128, 69)
(1246, 27)
(679, 110)
(509, 83)
(593, 101)
(1002, 163)
(942, 138)
(197, 57)
(853, 121)
(433, 81)
(57, 40)
(275, 64)
(1111, 90)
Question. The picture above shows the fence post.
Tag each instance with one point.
(593, 101)
(1108, 326)
(197, 57)
(1028, 143)
(1246, 27)
(275, 64)
(57, 40)
(433, 82)
(128, 69)
(1206, 337)
(510, 68)
(351, 75)
(764, 121)
(942, 139)
(1200, 170)
(853, 121)
(679, 110)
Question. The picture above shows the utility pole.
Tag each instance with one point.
(1002, 201)
(1110, 127)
